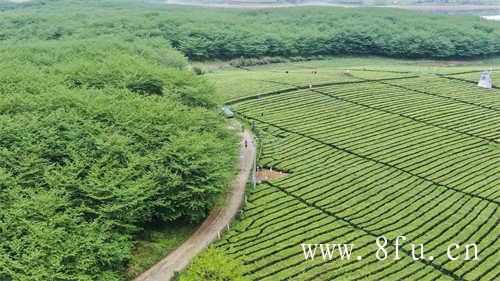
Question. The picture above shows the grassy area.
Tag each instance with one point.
(155, 243)
(233, 82)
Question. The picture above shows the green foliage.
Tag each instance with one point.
(203, 34)
(100, 138)
(112, 161)
(103, 132)
(109, 62)
(214, 265)
(198, 70)
(146, 85)
(352, 179)
(155, 243)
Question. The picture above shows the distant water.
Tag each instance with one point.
(487, 14)
(495, 17)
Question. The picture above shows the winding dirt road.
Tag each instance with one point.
(216, 223)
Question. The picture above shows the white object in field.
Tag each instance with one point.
(228, 112)
(310, 86)
(485, 80)
(497, 17)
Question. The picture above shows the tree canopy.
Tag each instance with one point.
(99, 138)
(204, 34)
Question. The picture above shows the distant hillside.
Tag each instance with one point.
(346, 2)
(205, 34)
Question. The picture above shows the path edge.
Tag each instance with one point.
(214, 225)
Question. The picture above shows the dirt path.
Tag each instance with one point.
(216, 222)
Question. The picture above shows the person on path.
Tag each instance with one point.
(246, 143)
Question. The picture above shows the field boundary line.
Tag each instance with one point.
(463, 80)
(383, 81)
(427, 123)
(465, 72)
(305, 87)
(373, 160)
(435, 266)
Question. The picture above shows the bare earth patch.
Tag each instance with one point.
(267, 175)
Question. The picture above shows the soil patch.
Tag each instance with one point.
(268, 174)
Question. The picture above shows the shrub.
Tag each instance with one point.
(198, 70)
(214, 265)
(146, 85)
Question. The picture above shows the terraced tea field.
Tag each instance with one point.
(379, 153)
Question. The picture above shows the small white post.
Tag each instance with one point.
(485, 80)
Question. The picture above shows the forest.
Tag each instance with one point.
(207, 34)
(99, 139)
